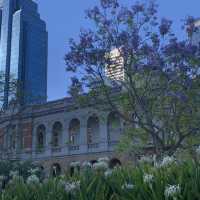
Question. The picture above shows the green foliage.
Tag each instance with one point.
(21, 168)
(142, 182)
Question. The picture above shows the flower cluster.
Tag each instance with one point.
(167, 161)
(100, 165)
(75, 164)
(148, 178)
(165, 26)
(33, 179)
(108, 173)
(104, 159)
(2, 178)
(127, 186)
(172, 191)
(146, 159)
(198, 151)
(70, 187)
(14, 173)
(86, 164)
(34, 170)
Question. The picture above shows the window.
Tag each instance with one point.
(12, 137)
(41, 133)
(57, 132)
(114, 127)
(74, 132)
(114, 163)
(55, 170)
(93, 134)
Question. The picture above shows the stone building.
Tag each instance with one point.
(58, 133)
(53, 134)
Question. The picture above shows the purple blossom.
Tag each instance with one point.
(155, 40)
(138, 7)
(152, 8)
(190, 25)
(165, 26)
(124, 15)
(109, 4)
(86, 39)
(93, 13)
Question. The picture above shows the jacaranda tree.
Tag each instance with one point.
(159, 96)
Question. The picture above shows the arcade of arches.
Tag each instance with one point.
(55, 140)
(114, 131)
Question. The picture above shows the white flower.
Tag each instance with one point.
(100, 165)
(157, 165)
(146, 159)
(168, 160)
(33, 179)
(14, 173)
(62, 183)
(62, 176)
(104, 159)
(2, 178)
(75, 164)
(148, 178)
(16, 179)
(34, 170)
(198, 150)
(117, 167)
(72, 186)
(86, 164)
(108, 173)
(54, 168)
(172, 191)
(127, 186)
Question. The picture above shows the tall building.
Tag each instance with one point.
(115, 71)
(23, 50)
(196, 35)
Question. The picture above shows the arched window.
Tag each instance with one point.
(55, 170)
(114, 127)
(93, 162)
(41, 134)
(57, 133)
(12, 137)
(114, 163)
(93, 130)
(74, 132)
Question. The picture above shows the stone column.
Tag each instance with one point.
(34, 142)
(83, 134)
(48, 144)
(103, 132)
(65, 138)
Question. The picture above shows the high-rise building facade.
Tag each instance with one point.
(23, 50)
(196, 35)
(115, 71)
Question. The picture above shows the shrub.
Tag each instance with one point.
(179, 180)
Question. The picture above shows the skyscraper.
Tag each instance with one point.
(195, 36)
(115, 71)
(23, 50)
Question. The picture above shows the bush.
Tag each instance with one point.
(169, 179)
(10, 169)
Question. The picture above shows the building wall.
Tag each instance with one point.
(29, 121)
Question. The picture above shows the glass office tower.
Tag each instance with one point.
(23, 51)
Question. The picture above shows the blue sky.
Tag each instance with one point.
(64, 18)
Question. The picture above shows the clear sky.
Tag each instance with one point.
(64, 18)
